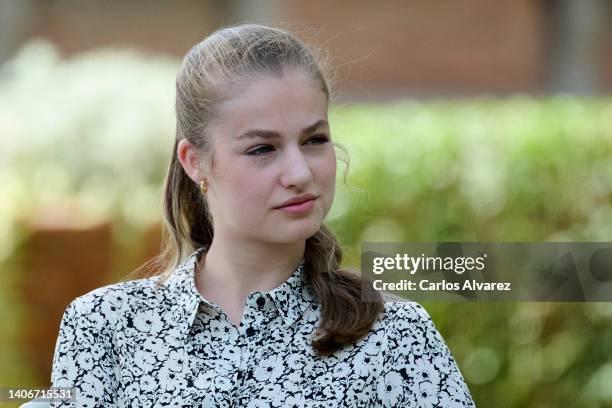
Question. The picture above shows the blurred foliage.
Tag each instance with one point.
(517, 169)
(97, 130)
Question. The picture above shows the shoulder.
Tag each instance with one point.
(414, 348)
(411, 335)
(108, 301)
(399, 308)
(408, 321)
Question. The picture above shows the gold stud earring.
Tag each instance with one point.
(203, 186)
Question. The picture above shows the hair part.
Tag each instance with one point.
(210, 72)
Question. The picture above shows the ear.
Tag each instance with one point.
(190, 160)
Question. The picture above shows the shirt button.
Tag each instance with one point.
(250, 331)
(261, 301)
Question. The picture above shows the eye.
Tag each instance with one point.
(264, 149)
(321, 139)
(259, 151)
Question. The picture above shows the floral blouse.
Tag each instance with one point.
(130, 345)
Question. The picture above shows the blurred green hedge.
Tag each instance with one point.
(97, 130)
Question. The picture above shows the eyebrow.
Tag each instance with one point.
(269, 134)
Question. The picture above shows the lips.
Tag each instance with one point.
(297, 200)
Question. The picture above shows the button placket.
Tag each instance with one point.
(253, 309)
(241, 346)
(249, 333)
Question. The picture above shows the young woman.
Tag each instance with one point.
(251, 307)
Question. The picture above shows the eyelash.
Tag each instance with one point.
(323, 138)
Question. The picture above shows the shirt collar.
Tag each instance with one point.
(290, 298)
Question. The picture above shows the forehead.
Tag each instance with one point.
(286, 104)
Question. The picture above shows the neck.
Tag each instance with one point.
(236, 268)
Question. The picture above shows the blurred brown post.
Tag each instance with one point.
(59, 264)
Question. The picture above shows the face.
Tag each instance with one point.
(272, 143)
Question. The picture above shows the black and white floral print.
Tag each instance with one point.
(130, 345)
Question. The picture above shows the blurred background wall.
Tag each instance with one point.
(389, 48)
(465, 120)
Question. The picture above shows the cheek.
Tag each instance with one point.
(327, 170)
(245, 185)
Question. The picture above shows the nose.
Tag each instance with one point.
(296, 170)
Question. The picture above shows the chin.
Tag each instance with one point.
(300, 233)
